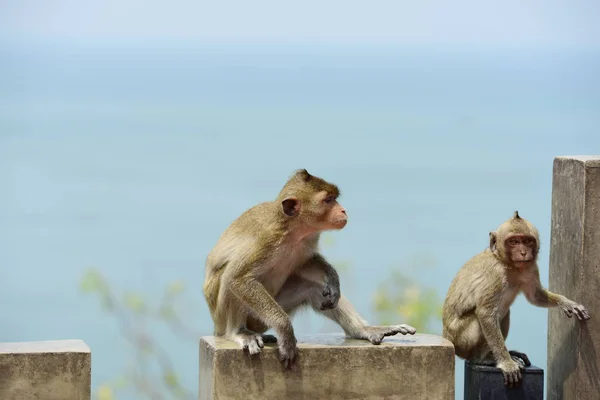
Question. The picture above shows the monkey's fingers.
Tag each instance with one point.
(252, 346)
(581, 312)
(512, 378)
(407, 329)
(568, 312)
(259, 341)
(288, 359)
(375, 338)
(328, 305)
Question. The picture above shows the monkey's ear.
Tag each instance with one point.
(516, 215)
(493, 241)
(290, 206)
(305, 175)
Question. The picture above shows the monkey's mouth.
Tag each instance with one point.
(522, 263)
(340, 224)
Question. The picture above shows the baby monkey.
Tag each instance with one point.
(266, 265)
(477, 307)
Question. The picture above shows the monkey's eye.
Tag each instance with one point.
(513, 241)
(329, 199)
(528, 242)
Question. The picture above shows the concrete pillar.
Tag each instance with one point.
(55, 370)
(331, 367)
(574, 347)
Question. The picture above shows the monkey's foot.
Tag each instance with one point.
(520, 357)
(375, 334)
(248, 340)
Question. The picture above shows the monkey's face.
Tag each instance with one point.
(316, 212)
(335, 216)
(323, 212)
(520, 249)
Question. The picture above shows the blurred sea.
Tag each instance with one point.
(134, 158)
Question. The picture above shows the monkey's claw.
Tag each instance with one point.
(288, 355)
(581, 312)
(332, 297)
(251, 342)
(511, 370)
(375, 334)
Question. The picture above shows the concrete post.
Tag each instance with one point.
(54, 370)
(573, 347)
(331, 367)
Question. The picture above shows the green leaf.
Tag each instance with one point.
(176, 287)
(105, 393)
(171, 380)
(91, 281)
(167, 312)
(134, 302)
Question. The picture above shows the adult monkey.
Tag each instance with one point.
(476, 311)
(266, 265)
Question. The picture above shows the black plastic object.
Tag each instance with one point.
(487, 383)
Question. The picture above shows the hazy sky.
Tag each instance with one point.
(471, 22)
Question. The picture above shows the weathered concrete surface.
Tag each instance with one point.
(53, 370)
(331, 367)
(573, 347)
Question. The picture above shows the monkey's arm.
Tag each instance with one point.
(537, 295)
(331, 291)
(320, 272)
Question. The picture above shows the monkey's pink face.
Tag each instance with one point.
(319, 212)
(332, 214)
(521, 248)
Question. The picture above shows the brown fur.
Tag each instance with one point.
(266, 265)
(476, 312)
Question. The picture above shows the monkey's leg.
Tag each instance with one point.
(355, 326)
(519, 357)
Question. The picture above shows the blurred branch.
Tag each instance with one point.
(132, 313)
(401, 297)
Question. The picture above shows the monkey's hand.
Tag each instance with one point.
(511, 371)
(288, 351)
(580, 311)
(375, 334)
(331, 292)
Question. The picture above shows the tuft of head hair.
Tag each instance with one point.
(302, 182)
(518, 225)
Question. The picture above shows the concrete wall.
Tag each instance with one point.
(54, 370)
(331, 367)
(573, 347)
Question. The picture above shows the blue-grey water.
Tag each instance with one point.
(133, 159)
